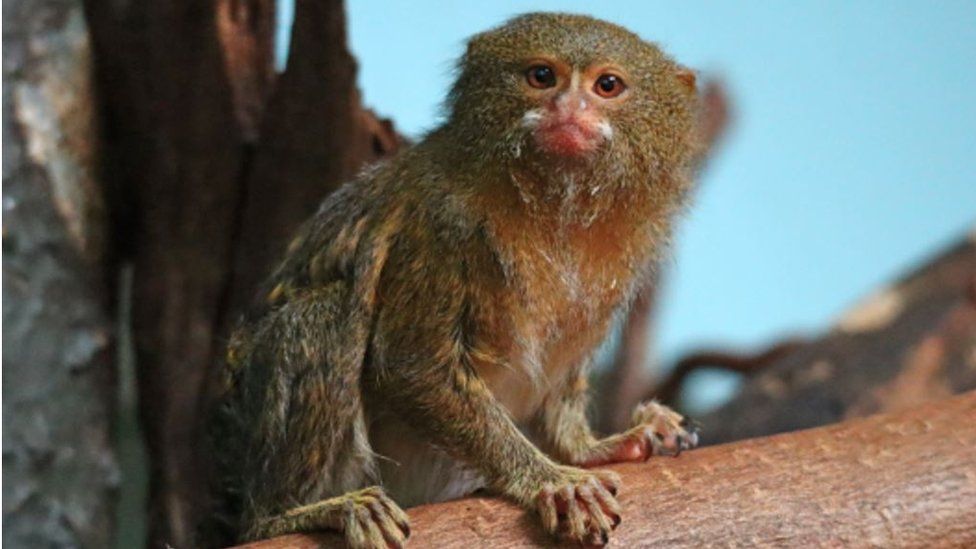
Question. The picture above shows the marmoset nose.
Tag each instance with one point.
(570, 102)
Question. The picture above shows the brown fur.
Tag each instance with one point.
(441, 309)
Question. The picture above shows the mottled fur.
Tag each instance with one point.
(439, 311)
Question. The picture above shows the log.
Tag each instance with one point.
(903, 479)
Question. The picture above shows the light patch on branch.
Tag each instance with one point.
(819, 372)
(773, 386)
(874, 313)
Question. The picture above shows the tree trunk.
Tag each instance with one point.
(315, 136)
(215, 163)
(59, 468)
(176, 150)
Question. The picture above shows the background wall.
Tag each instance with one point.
(850, 157)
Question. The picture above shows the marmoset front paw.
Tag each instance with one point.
(659, 430)
(580, 505)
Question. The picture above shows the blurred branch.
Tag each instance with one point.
(747, 364)
(716, 113)
(897, 480)
(908, 343)
(630, 372)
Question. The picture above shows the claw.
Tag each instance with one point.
(580, 506)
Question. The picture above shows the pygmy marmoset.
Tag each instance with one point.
(429, 330)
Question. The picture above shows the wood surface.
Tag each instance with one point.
(903, 479)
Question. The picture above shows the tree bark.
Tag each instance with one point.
(59, 470)
(315, 136)
(908, 343)
(905, 479)
(215, 161)
(176, 150)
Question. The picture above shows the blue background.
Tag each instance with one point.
(850, 157)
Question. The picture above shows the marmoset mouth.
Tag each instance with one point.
(568, 138)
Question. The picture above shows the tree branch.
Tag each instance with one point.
(631, 371)
(910, 342)
(905, 479)
(743, 363)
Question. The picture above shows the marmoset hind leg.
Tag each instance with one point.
(312, 464)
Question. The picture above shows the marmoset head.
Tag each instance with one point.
(571, 90)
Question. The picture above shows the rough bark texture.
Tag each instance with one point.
(176, 152)
(315, 136)
(58, 466)
(905, 479)
(209, 178)
(911, 342)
